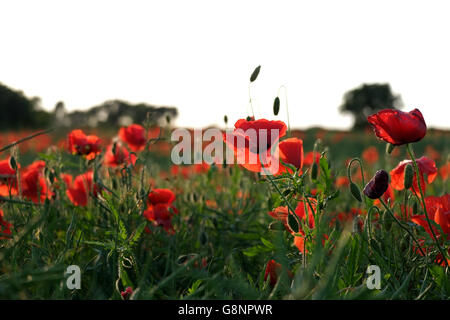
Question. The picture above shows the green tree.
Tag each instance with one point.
(368, 99)
(19, 112)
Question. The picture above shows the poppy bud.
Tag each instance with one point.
(13, 163)
(355, 192)
(276, 226)
(378, 185)
(314, 171)
(408, 179)
(389, 148)
(276, 106)
(293, 224)
(255, 74)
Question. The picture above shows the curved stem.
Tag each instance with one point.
(362, 175)
(361, 167)
(402, 226)
(422, 196)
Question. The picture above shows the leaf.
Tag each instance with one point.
(267, 243)
(137, 234)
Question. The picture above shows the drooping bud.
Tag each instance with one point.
(356, 193)
(389, 148)
(314, 171)
(293, 224)
(13, 163)
(378, 185)
(408, 179)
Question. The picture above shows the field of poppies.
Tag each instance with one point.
(344, 216)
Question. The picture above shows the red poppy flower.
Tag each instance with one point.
(426, 167)
(370, 155)
(347, 217)
(184, 171)
(157, 196)
(5, 227)
(127, 293)
(311, 208)
(6, 191)
(67, 178)
(81, 144)
(444, 171)
(274, 269)
(34, 185)
(438, 209)
(7, 176)
(161, 215)
(160, 209)
(309, 158)
(342, 182)
(83, 185)
(291, 152)
(6, 172)
(134, 136)
(119, 157)
(252, 140)
(398, 127)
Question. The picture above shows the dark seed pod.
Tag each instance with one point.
(13, 163)
(292, 223)
(356, 193)
(276, 106)
(255, 74)
(378, 185)
(408, 180)
(314, 171)
(225, 119)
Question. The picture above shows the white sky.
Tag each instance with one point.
(198, 55)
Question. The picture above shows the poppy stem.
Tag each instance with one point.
(250, 100)
(287, 109)
(369, 220)
(402, 226)
(290, 209)
(422, 196)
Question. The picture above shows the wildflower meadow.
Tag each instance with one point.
(258, 211)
